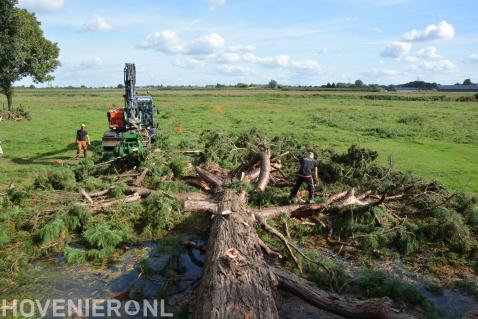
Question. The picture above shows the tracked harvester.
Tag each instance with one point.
(132, 127)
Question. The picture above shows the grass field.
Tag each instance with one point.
(433, 139)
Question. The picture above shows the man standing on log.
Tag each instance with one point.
(82, 139)
(308, 166)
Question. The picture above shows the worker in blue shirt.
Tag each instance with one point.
(307, 173)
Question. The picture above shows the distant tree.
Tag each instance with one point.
(358, 83)
(24, 51)
(272, 84)
(120, 86)
(328, 85)
(31, 86)
(333, 86)
(242, 85)
(467, 82)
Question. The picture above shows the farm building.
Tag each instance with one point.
(458, 88)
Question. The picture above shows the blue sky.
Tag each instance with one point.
(304, 42)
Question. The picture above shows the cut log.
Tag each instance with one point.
(100, 193)
(264, 175)
(348, 307)
(86, 196)
(236, 282)
(334, 202)
(197, 181)
(128, 199)
(199, 206)
(139, 180)
(192, 196)
(212, 179)
(143, 192)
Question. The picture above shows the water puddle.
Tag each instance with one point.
(167, 271)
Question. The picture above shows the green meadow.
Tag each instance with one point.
(431, 135)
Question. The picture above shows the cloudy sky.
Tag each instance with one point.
(304, 42)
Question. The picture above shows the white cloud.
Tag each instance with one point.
(472, 58)
(237, 70)
(323, 51)
(407, 58)
(206, 44)
(230, 57)
(443, 66)
(93, 63)
(241, 48)
(396, 49)
(443, 30)
(428, 53)
(274, 61)
(376, 29)
(249, 57)
(99, 24)
(186, 63)
(164, 41)
(383, 73)
(308, 66)
(214, 4)
(42, 6)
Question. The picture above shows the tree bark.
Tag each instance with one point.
(139, 180)
(265, 172)
(348, 307)
(211, 178)
(236, 281)
(9, 94)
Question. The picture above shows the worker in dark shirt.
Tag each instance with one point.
(307, 173)
(82, 141)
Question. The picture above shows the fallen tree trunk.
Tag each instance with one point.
(334, 202)
(348, 307)
(139, 180)
(236, 281)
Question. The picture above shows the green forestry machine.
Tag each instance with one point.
(132, 127)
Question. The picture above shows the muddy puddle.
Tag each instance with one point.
(171, 273)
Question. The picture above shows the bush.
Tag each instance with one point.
(103, 236)
(83, 169)
(75, 255)
(160, 213)
(59, 179)
(378, 283)
(52, 231)
(412, 119)
(178, 167)
(78, 217)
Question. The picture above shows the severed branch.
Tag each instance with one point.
(348, 307)
(264, 175)
(287, 244)
(86, 196)
(139, 180)
(210, 178)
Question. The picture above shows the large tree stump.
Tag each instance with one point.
(236, 281)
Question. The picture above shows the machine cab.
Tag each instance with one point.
(146, 108)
